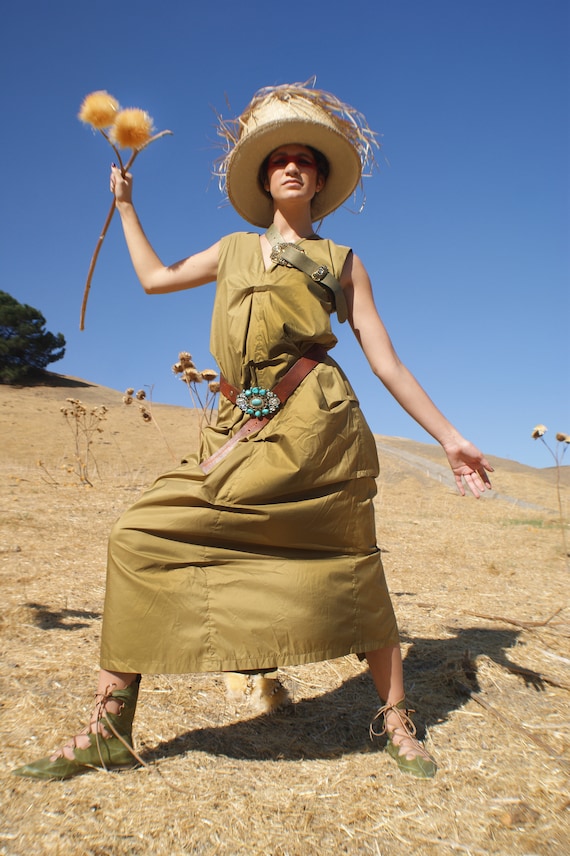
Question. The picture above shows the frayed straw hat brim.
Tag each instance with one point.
(293, 113)
(244, 190)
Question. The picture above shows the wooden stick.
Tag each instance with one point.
(105, 228)
(525, 624)
(93, 263)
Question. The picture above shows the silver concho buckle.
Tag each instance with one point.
(258, 402)
(320, 273)
(276, 251)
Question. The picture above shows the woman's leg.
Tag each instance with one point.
(105, 742)
(104, 703)
(388, 675)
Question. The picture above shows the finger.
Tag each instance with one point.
(474, 483)
(459, 483)
(473, 487)
(481, 476)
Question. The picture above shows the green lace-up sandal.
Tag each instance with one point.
(401, 740)
(110, 743)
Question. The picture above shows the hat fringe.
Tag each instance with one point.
(350, 122)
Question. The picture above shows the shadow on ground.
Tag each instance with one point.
(441, 674)
(61, 619)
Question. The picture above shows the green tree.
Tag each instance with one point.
(26, 347)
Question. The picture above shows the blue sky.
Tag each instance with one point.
(466, 224)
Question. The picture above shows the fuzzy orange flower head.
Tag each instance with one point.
(132, 129)
(99, 109)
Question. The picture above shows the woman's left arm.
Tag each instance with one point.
(466, 461)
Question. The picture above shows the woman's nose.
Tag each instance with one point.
(292, 167)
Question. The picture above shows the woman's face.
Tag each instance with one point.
(292, 173)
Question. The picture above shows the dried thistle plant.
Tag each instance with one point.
(562, 443)
(189, 374)
(145, 410)
(46, 475)
(131, 128)
(84, 423)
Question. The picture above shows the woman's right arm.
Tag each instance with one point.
(156, 277)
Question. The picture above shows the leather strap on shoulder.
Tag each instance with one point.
(283, 252)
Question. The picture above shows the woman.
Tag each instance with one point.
(260, 551)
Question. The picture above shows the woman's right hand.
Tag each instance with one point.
(121, 185)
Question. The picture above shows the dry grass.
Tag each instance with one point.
(223, 780)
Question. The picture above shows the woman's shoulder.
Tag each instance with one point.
(237, 248)
(329, 249)
(334, 244)
(239, 237)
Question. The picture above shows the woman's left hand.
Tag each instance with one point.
(469, 465)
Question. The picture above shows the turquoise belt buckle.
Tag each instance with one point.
(258, 402)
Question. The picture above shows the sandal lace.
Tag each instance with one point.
(404, 719)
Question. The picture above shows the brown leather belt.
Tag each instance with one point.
(287, 385)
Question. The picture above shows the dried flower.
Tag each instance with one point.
(557, 453)
(132, 129)
(145, 414)
(191, 375)
(129, 391)
(141, 395)
(129, 129)
(99, 110)
(127, 399)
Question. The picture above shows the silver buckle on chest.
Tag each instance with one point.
(276, 251)
(258, 402)
(320, 273)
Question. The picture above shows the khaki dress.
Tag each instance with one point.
(271, 558)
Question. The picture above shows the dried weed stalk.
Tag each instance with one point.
(562, 442)
(189, 374)
(46, 475)
(145, 410)
(186, 370)
(84, 423)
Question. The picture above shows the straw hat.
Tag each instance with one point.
(282, 115)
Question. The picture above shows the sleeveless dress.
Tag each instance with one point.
(271, 558)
